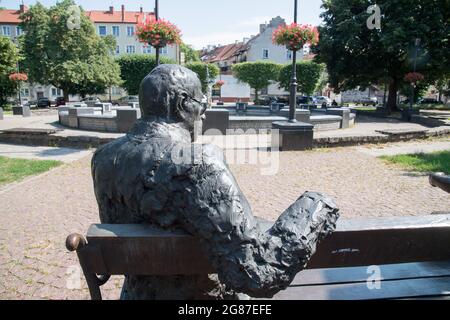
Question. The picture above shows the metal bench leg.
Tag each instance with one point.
(94, 286)
(76, 242)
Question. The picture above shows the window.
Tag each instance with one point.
(117, 91)
(102, 31)
(265, 54)
(115, 31)
(117, 49)
(25, 92)
(289, 55)
(130, 31)
(131, 49)
(18, 31)
(56, 92)
(6, 31)
(146, 49)
(163, 50)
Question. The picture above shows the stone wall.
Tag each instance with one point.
(97, 123)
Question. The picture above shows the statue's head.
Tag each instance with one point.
(174, 93)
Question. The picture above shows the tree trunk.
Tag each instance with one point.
(392, 97)
(256, 96)
(66, 94)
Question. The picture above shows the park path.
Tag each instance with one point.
(37, 214)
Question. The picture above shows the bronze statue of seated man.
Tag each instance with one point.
(157, 175)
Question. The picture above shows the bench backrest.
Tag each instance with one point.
(146, 250)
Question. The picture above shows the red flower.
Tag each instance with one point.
(220, 83)
(18, 77)
(413, 77)
(158, 33)
(295, 36)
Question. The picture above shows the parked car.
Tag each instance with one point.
(429, 101)
(305, 100)
(43, 102)
(320, 100)
(125, 100)
(60, 101)
(367, 101)
(90, 101)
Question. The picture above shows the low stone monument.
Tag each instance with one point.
(157, 175)
(21, 111)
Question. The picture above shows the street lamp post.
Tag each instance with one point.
(19, 87)
(157, 18)
(293, 94)
(411, 99)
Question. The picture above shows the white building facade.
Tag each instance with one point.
(119, 23)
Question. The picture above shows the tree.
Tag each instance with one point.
(358, 56)
(257, 74)
(308, 76)
(190, 54)
(9, 57)
(61, 48)
(135, 67)
(201, 69)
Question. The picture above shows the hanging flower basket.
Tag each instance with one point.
(413, 77)
(295, 36)
(158, 33)
(18, 77)
(220, 83)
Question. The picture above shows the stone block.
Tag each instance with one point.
(75, 112)
(342, 112)
(217, 120)
(292, 136)
(126, 119)
(134, 105)
(301, 115)
(105, 107)
(80, 105)
(21, 111)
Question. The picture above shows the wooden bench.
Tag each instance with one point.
(412, 253)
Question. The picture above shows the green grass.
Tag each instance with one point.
(430, 106)
(12, 169)
(423, 162)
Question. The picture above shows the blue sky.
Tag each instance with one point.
(204, 22)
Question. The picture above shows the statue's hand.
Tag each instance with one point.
(309, 219)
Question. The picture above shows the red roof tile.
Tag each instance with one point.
(96, 16)
(224, 53)
(10, 16)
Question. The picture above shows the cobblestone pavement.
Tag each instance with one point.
(42, 153)
(37, 214)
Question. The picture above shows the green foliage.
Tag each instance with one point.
(135, 67)
(357, 56)
(16, 169)
(76, 60)
(201, 69)
(257, 75)
(190, 54)
(429, 162)
(9, 56)
(419, 91)
(308, 76)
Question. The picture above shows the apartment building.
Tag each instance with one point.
(119, 23)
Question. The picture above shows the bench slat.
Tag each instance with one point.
(412, 288)
(360, 274)
(131, 249)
